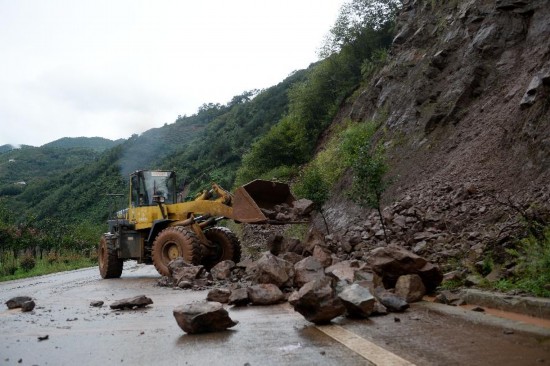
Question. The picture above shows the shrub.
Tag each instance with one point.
(8, 269)
(27, 262)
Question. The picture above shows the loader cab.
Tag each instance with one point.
(147, 187)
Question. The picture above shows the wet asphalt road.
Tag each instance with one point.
(274, 335)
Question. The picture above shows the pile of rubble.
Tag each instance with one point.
(318, 286)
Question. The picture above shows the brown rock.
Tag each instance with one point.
(344, 270)
(410, 288)
(239, 297)
(222, 270)
(203, 317)
(324, 256)
(306, 270)
(132, 302)
(291, 257)
(265, 294)
(219, 295)
(317, 301)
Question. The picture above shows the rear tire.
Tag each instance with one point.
(227, 246)
(174, 242)
(110, 266)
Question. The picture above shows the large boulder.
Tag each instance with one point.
(203, 317)
(358, 300)
(391, 262)
(306, 270)
(271, 269)
(265, 294)
(317, 301)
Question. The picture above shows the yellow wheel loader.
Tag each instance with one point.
(156, 228)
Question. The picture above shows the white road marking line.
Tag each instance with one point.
(370, 351)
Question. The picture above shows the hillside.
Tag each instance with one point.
(464, 111)
(94, 143)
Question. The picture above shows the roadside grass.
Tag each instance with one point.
(14, 269)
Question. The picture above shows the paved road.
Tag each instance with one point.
(274, 335)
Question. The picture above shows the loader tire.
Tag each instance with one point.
(174, 242)
(227, 246)
(110, 265)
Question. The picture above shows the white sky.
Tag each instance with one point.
(112, 68)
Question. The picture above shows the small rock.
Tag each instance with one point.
(43, 338)
(97, 303)
(478, 309)
(27, 306)
(133, 302)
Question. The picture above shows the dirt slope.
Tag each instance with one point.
(467, 95)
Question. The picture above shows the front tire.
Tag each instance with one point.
(225, 246)
(110, 265)
(174, 242)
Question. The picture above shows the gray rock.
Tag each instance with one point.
(219, 295)
(265, 294)
(306, 270)
(222, 270)
(391, 301)
(28, 306)
(358, 300)
(410, 288)
(239, 297)
(275, 244)
(530, 95)
(189, 273)
(203, 317)
(17, 302)
(132, 302)
(97, 303)
(317, 301)
(271, 269)
(303, 207)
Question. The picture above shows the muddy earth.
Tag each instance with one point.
(64, 329)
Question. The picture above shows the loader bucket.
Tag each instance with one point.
(251, 201)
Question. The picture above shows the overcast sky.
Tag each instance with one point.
(112, 68)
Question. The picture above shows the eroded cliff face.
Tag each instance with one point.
(465, 99)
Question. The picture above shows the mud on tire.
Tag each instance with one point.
(110, 266)
(227, 246)
(173, 242)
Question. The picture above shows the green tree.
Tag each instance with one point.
(369, 169)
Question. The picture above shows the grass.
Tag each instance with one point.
(46, 266)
